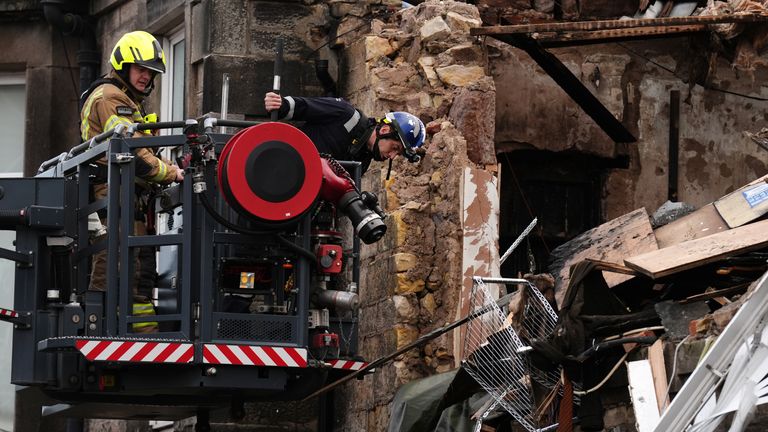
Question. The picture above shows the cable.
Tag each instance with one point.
(631, 51)
(366, 21)
(672, 375)
(69, 64)
(311, 257)
(607, 377)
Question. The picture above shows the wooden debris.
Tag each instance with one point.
(744, 204)
(695, 253)
(701, 223)
(576, 38)
(609, 242)
(615, 24)
(612, 267)
(738, 289)
(659, 372)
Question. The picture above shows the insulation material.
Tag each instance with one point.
(753, 38)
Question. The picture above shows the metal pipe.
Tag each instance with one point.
(75, 25)
(674, 144)
(517, 241)
(224, 100)
(236, 123)
(504, 280)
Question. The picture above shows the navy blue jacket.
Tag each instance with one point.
(329, 123)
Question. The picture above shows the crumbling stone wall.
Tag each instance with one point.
(421, 60)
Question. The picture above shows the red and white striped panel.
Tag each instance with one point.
(9, 313)
(136, 352)
(347, 364)
(252, 355)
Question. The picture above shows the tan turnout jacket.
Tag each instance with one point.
(110, 105)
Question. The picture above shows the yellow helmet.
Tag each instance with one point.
(138, 47)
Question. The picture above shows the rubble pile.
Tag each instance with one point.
(640, 300)
(676, 282)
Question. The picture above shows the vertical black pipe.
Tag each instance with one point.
(321, 71)
(75, 424)
(87, 58)
(278, 71)
(674, 144)
(75, 25)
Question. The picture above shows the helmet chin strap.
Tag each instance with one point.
(375, 150)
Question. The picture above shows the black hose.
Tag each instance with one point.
(644, 340)
(312, 258)
(223, 221)
(12, 218)
(284, 241)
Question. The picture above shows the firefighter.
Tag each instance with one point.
(343, 131)
(117, 99)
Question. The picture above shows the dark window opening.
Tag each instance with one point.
(562, 190)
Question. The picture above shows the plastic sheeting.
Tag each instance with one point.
(439, 403)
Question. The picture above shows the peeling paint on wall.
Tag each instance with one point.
(480, 219)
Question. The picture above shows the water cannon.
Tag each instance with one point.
(362, 208)
(272, 174)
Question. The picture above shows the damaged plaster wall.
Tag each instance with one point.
(633, 80)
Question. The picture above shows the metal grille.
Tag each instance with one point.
(493, 349)
(255, 330)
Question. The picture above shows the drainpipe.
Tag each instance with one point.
(75, 25)
(321, 71)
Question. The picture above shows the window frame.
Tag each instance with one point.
(166, 94)
(7, 79)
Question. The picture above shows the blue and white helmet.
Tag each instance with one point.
(410, 130)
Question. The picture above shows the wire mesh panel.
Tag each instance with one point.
(536, 319)
(493, 349)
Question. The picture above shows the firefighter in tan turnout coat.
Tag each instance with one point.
(117, 99)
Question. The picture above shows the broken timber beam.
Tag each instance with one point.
(572, 86)
(615, 24)
(557, 39)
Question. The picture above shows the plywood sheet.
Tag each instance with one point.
(744, 204)
(694, 253)
(701, 223)
(612, 242)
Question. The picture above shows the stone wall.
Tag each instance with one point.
(633, 80)
(47, 60)
(421, 60)
(238, 37)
